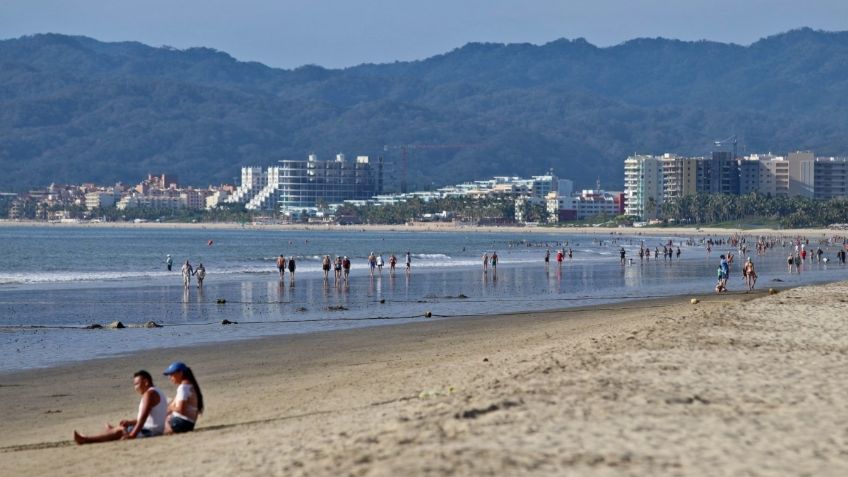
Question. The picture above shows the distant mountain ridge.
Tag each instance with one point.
(74, 109)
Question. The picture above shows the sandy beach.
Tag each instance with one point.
(812, 233)
(743, 384)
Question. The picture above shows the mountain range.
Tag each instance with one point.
(74, 109)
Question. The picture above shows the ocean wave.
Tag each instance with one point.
(430, 256)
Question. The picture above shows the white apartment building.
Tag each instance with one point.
(643, 185)
(99, 199)
(253, 179)
(138, 201)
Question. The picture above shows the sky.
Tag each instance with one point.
(339, 33)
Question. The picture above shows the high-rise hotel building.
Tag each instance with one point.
(294, 185)
(831, 176)
(642, 185)
(649, 181)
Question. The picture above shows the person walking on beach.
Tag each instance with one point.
(338, 268)
(372, 263)
(325, 265)
(485, 261)
(380, 264)
(169, 262)
(346, 267)
(187, 404)
(408, 262)
(200, 274)
(723, 273)
(187, 272)
(281, 266)
(678, 253)
(547, 256)
(149, 422)
(292, 266)
(750, 274)
(494, 260)
(392, 264)
(622, 253)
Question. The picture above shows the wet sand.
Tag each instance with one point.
(743, 384)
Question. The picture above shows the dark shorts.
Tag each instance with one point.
(179, 424)
(142, 433)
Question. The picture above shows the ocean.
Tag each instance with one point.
(57, 281)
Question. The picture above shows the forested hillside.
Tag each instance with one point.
(73, 109)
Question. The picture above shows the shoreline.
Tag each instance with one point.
(269, 340)
(744, 383)
(444, 227)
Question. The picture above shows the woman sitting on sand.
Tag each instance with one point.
(188, 404)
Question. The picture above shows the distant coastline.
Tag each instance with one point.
(444, 227)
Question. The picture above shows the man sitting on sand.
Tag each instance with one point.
(152, 411)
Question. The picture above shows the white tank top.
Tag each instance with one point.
(155, 422)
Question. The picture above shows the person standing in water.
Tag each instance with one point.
(485, 261)
(380, 264)
(346, 267)
(750, 274)
(325, 265)
(494, 260)
(187, 272)
(372, 263)
(169, 262)
(292, 266)
(392, 264)
(408, 262)
(200, 274)
(338, 268)
(281, 266)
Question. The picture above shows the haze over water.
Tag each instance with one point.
(55, 281)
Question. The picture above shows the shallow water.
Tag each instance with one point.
(53, 282)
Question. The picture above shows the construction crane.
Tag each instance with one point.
(404, 153)
(725, 142)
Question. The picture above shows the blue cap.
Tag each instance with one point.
(174, 367)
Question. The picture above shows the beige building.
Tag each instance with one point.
(679, 176)
(801, 173)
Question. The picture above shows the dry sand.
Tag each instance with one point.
(812, 233)
(735, 385)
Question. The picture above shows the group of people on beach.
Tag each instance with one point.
(560, 255)
(493, 259)
(749, 273)
(187, 271)
(800, 254)
(341, 266)
(156, 415)
(284, 264)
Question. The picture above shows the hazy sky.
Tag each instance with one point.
(336, 33)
